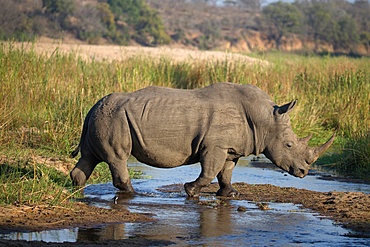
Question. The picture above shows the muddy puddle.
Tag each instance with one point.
(210, 221)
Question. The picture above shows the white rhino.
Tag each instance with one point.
(166, 128)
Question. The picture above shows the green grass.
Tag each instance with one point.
(44, 99)
(352, 159)
(24, 183)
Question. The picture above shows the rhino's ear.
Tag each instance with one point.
(280, 110)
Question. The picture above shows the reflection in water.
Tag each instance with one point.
(215, 222)
(56, 236)
(108, 232)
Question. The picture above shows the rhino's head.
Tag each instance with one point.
(285, 149)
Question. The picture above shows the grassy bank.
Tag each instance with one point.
(46, 97)
(352, 158)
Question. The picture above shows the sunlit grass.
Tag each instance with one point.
(23, 183)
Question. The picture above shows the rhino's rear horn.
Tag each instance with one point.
(306, 139)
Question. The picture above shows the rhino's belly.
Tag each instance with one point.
(164, 157)
(166, 142)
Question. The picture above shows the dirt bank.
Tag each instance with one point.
(37, 218)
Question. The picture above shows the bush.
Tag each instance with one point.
(147, 26)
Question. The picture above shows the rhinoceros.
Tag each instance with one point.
(166, 128)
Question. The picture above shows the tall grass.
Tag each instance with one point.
(44, 99)
(351, 159)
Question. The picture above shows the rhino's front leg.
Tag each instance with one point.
(224, 180)
(211, 164)
(120, 175)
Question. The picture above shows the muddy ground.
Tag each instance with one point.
(350, 209)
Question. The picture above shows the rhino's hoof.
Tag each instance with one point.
(191, 190)
(227, 193)
(125, 188)
(78, 177)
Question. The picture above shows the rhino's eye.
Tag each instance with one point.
(289, 144)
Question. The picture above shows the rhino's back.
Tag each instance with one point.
(168, 127)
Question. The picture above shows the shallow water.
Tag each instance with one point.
(186, 222)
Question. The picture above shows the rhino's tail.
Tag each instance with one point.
(75, 152)
(84, 130)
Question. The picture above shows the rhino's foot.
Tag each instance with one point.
(78, 177)
(227, 192)
(191, 189)
(125, 188)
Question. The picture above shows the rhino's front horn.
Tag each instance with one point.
(320, 150)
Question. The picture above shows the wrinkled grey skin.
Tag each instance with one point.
(166, 128)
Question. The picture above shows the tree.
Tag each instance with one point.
(360, 13)
(18, 20)
(63, 7)
(58, 11)
(251, 4)
(319, 22)
(148, 28)
(346, 34)
(211, 33)
(281, 19)
(89, 25)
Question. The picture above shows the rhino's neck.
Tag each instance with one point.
(256, 140)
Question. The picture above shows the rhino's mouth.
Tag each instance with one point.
(298, 172)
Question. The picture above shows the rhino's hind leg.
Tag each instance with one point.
(212, 164)
(120, 175)
(224, 180)
(83, 169)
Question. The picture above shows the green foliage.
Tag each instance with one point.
(63, 7)
(360, 13)
(149, 29)
(118, 21)
(336, 23)
(342, 26)
(107, 17)
(353, 158)
(211, 34)
(282, 19)
(319, 21)
(14, 24)
(346, 33)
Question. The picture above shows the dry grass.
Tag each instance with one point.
(120, 53)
